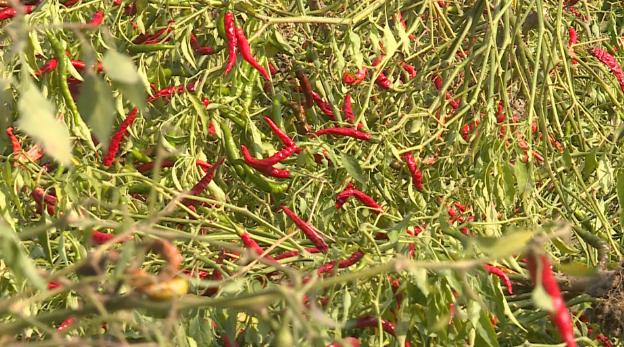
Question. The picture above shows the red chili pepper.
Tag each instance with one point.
(351, 191)
(500, 274)
(53, 285)
(350, 132)
(281, 134)
(48, 67)
(245, 50)
(41, 197)
(404, 24)
(113, 147)
(500, 115)
(410, 69)
(352, 79)
(308, 230)
(130, 9)
(327, 267)
(348, 110)
(611, 63)
(171, 90)
(9, 12)
(560, 316)
(199, 49)
(66, 324)
(437, 81)
(382, 80)
(278, 157)
(324, 106)
(146, 167)
(232, 41)
(353, 258)
(251, 244)
(572, 41)
(373, 322)
(227, 342)
(97, 19)
(605, 341)
(290, 254)
(417, 177)
(149, 39)
(351, 340)
(70, 3)
(15, 144)
(203, 183)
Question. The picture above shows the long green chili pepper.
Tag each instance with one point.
(149, 48)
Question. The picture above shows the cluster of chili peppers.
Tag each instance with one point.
(382, 80)
(457, 213)
(10, 12)
(203, 183)
(236, 40)
(266, 165)
(606, 58)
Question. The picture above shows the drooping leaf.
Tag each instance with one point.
(96, 105)
(353, 167)
(37, 120)
(119, 67)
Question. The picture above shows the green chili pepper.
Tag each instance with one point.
(149, 48)
(244, 171)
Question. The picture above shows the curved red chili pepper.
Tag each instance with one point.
(53, 285)
(348, 109)
(437, 81)
(311, 232)
(353, 258)
(411, 70)
(156, 37)
(500, 274)
(245, 50)
(560, 316)
(290, 254)
(48, 67)
(417, 177)
(323, 105)
(278, 157)
(113, 147)
(41, 197)
(351, 191)
(232, 41)
(203, 183)
(15, 144)
(327, 267)
(382, 80)
(350, 132)
(372, 322)
(281, 134)
(9, 12)
(253, 245)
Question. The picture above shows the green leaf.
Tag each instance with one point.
(355, 48)
(509, 182)
(281, 43)
(96, 105)
(420, 277)
(135, 93)
(37, 120)
(353, 167)
(389, 42)
(507, 245)
(576, 269)
(591, 163)
(522, 177)
(119, 67)
(542, 299)
(16, 259)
